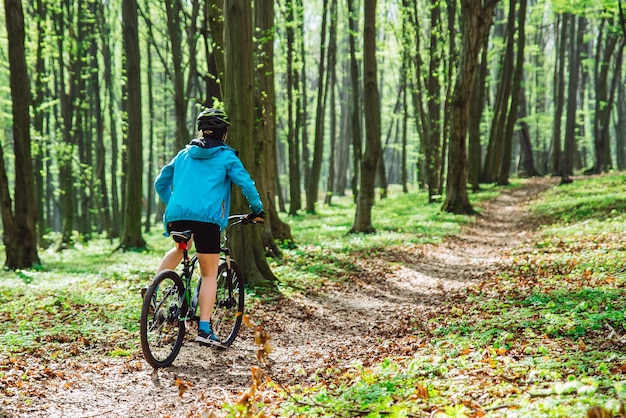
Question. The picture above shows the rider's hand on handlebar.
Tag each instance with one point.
(254, 217)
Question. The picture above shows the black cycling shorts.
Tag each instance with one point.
(205, 235)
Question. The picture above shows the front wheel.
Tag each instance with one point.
(160, 327)
(229, 301)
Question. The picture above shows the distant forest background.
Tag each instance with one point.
(327, 98)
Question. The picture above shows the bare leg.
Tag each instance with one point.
(208, 269)
(172, 259)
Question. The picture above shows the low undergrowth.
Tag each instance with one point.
(542, 336)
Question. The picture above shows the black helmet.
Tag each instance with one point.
(213, 120)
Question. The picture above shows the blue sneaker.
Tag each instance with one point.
(205, 338)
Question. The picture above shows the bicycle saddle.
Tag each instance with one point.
(183, 236)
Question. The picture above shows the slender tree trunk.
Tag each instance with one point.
(576, 43)
(620, 126)
(293, 143)
(371, 102)
(476, 19)
(174, 30)
(518, 74)
(433, 142)
(559, 83)
(604, 100)
(150, 178)
(214, 11)
(527, 161)
(495, 149)
(20, 227)
(475, 116)
(38, 118)
(312, 174)
(332, 87)
(133, 202)
(65, 154)
(355, 120)
(302, 101)
(265, 128)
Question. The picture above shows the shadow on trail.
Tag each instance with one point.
(394, 293)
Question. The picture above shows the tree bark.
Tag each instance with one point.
(214, 11)
(620, 126)
(131, 232)
(476, 19)
(331, 82)
(495, 150)
(293, 143)
(516, 85)
(475, 117)
(433, 141)
(576, 40)
(527, 161)
(355, 119)
(371, 101)
(173, 9)
(265, 128)
(559, 93)
(20, 227)
(247, 242)
(604, 98)
(312, 174)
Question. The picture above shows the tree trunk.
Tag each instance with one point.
(302, 101)
(214, 11)
(20, 227)
(113, 220)
(65, 154)
(331, 82)
(355, 120)
(150, 179)
(239, 101)
(495, 150)
(40, 89)
(312, 174)
(507, 154)
(527, 161)
(603, 105)
(293, 143)
(275, 228)
(475, 117)
(174, 29)
(620, 126)
(559, 93)
(133, 202)
(576, 41)
(371, 102)
(433, 141)
(476, 19)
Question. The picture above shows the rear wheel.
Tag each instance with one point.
(160, 327)
(228, 308)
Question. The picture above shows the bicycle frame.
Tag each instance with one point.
(189, 265)
(167, 312)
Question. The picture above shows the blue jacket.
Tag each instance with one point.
(196, 185)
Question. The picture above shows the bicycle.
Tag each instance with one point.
(169, 308)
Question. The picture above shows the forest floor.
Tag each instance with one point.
(366, 318)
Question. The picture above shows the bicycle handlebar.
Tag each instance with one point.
(244, 219)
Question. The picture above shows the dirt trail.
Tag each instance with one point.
(333, 328)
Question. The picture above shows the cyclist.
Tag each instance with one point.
(196, 187)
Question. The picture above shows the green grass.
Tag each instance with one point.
(544, 337)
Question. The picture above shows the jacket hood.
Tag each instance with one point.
(199, 152)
